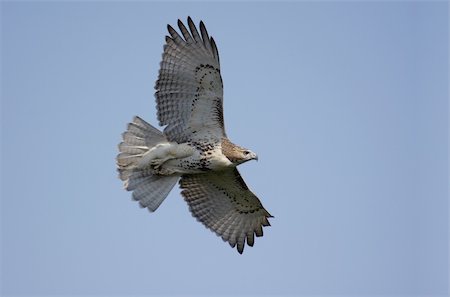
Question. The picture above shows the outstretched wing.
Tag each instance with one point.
(189, 90)
(223, 203)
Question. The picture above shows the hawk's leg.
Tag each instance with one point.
(156, 156)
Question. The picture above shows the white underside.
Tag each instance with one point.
(165, 159)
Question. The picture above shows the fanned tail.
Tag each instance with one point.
(148, 188)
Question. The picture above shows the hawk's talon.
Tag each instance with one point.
(156, 163)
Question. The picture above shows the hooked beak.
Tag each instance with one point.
(255, 157)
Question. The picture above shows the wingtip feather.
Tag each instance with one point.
(189, 19)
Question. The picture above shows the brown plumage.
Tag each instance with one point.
(234, 153)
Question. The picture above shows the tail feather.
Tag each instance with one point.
(148, 188)
(151, 190)
(132, 139)
(143, 129)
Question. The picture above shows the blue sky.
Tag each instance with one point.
(345, 103)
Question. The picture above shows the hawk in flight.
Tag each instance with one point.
(193, 148)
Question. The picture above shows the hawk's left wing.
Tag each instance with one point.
(189, 91)
(223, 203)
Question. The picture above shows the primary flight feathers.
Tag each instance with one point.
(194, 147)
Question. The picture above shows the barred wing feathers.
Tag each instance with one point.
(189, 90)
(223, 203)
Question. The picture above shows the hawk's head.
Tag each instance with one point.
(237, 154)
(240, 155)
(247, 155)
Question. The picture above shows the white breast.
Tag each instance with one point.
(219, 161)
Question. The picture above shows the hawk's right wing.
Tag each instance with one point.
(189, 90)
(223, 203)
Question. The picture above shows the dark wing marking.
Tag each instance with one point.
(223, 203)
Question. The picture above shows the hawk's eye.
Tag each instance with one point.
(246, 153)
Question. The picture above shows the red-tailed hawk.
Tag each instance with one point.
(194, 147)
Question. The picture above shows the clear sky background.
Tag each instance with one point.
(345, 103)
